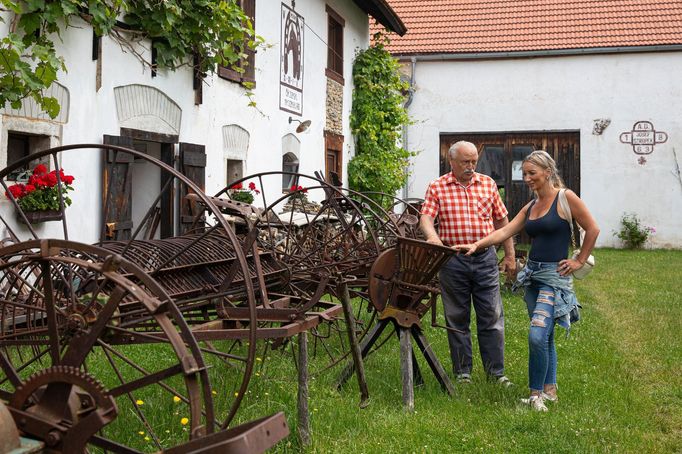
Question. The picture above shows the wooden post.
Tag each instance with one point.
(355, 348)
(432, 360)
(303, 415)
(406, 368)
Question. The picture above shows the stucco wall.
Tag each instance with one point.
(566, 93)
(93, 112)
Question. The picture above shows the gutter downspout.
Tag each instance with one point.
(410, 97)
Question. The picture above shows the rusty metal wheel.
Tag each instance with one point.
(198, 267)
(323, 235)
(90, 345)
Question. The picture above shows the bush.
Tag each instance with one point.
(632, 232)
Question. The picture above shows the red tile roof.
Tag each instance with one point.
(479, 26)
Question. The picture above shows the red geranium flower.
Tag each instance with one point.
(40, 169)
(42, 191)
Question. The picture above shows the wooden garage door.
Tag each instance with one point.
(500, 156)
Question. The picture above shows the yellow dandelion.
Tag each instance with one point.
(259, 359)
(184, 421)
(139, 402)
(257, 374)
(176, 399)
(267, 394)
(236, 394)
(141, 432)
(214, 393)
(146, 438)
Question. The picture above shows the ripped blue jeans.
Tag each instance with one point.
(542, 359)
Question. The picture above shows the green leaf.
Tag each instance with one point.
(51, 106)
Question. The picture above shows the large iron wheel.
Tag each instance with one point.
(323, 235)
(157, 261)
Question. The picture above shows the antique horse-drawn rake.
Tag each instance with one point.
(137, 342)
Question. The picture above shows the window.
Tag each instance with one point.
(335, 24)
(235, 170)
(289, 164)
(248, 64)
(291, 150)
(491, 163)
(519, 153)
(20, 145)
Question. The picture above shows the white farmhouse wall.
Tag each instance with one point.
(566, 93)
(93, 112)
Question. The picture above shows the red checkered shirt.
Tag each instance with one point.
(465, 213)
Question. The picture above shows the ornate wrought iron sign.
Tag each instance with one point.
(643, 138)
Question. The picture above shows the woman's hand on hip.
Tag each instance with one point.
(566, 267)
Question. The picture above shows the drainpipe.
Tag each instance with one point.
(410, 97)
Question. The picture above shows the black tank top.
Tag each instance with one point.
(550, 235)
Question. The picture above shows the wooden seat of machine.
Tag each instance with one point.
(401, 278)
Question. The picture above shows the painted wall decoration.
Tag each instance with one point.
(291, 61)
(643, 138)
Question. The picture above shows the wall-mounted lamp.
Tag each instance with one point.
(302, 126)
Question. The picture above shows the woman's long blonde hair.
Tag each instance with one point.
(543, 160)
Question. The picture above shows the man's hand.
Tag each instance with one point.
(434, 240)
(508, 266)
(468, 249)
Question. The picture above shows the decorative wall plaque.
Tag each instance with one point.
(643, 137)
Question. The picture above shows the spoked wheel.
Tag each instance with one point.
(405, 212)
(93, 350)
(321, 234)
(195, 267)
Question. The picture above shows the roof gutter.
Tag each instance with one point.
(537, 53)
(384, 14)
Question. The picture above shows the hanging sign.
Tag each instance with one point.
(291, 61)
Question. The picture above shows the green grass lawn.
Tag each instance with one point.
(620, 384)
(619, 376)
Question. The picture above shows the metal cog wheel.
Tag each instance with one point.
(63, 406)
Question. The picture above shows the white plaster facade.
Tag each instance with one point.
(566, 93)
(223, 122)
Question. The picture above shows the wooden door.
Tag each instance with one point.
(501, 155)
(193, 166)
(333, 144)
(116, 190)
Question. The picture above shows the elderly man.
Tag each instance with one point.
(469, 207)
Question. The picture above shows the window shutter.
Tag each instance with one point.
(249, 63)
(117, 177)
(193, 166)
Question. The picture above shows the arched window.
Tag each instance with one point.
(235, 146)
(291, 148)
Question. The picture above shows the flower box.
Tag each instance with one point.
(43, 196)
(35, 217)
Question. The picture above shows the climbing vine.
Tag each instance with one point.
(203, 34)
(377, 117)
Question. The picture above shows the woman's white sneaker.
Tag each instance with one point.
(550, 398)
(535, 402)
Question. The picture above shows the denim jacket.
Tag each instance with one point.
(566, 306)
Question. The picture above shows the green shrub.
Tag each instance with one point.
(632, 232)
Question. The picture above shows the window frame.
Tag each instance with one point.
(249, 63)
(335, 37)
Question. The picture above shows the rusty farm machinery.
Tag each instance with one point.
(146, 337)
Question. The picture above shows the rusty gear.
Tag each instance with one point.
(85, 409)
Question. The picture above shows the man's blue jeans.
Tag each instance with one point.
(466, 281)
(542, 360)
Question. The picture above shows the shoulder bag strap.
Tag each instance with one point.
(566, 208)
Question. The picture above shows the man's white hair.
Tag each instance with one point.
(452, 152)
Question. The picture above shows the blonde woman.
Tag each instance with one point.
(547, 277)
